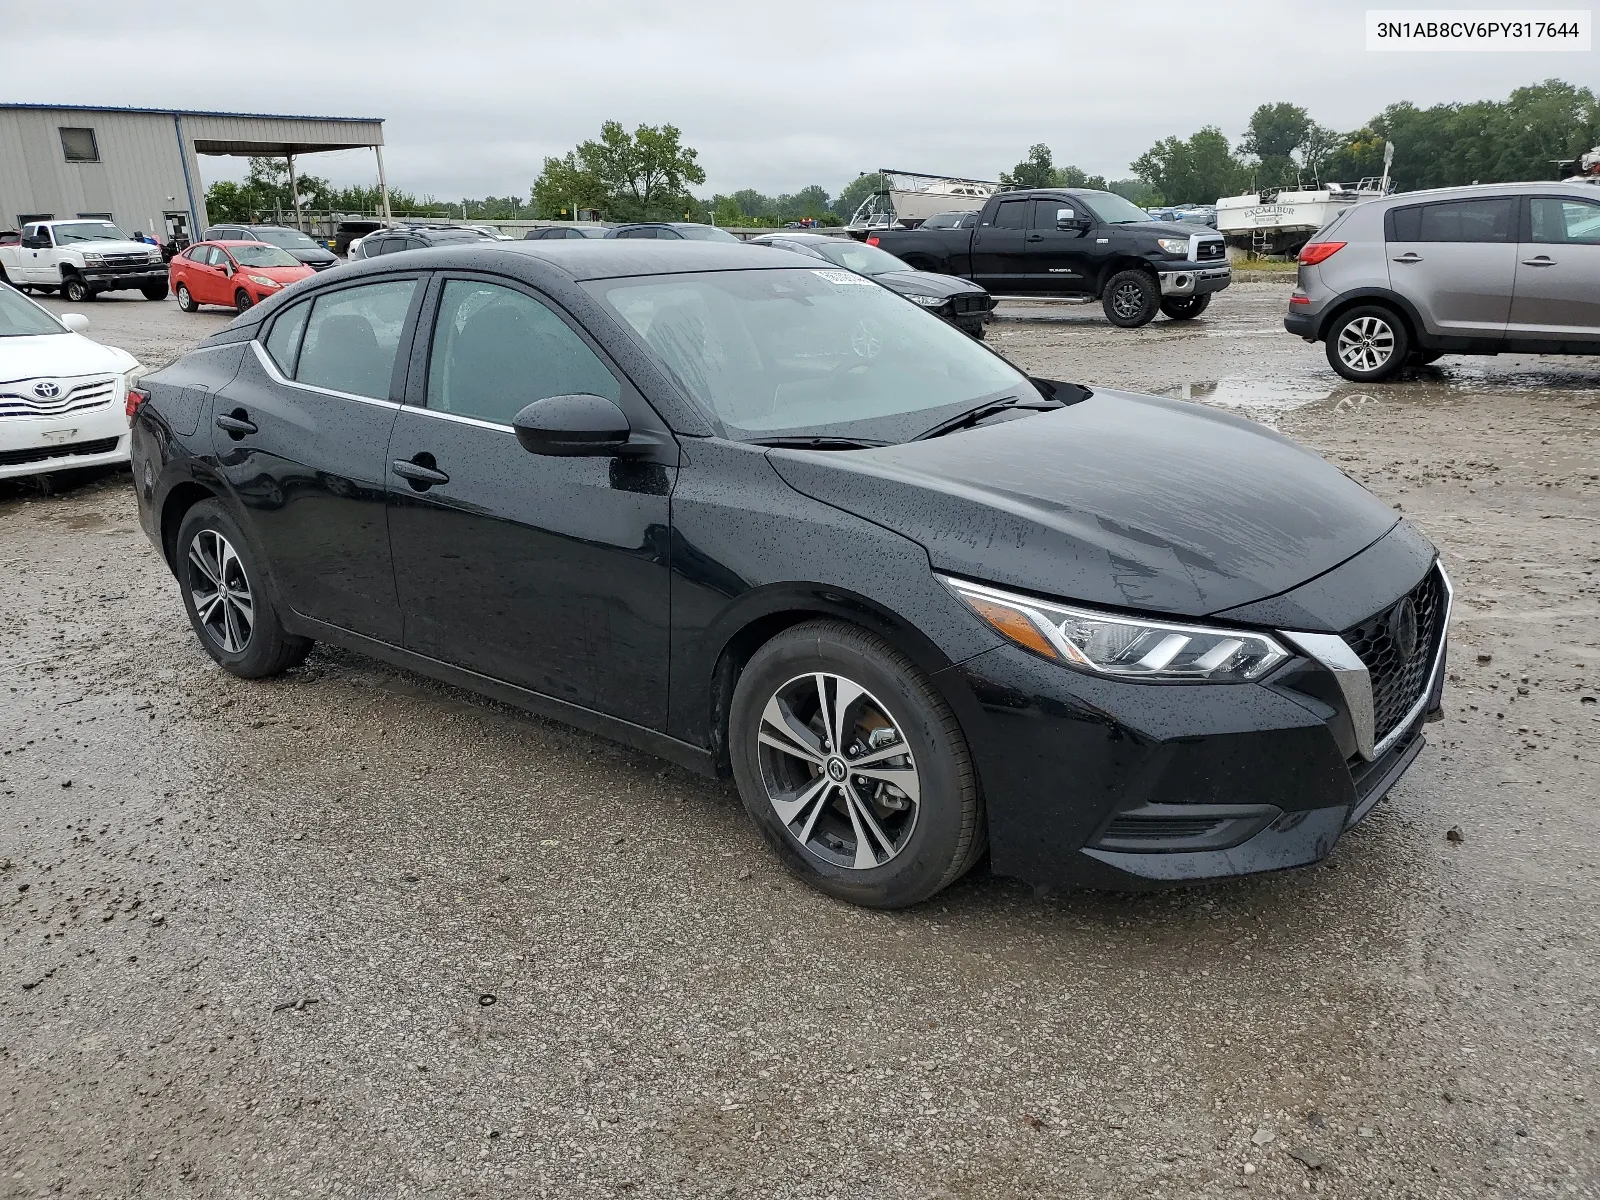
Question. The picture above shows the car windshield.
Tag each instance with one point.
(858, 256)
(1113, 209)
(21, 317)
(704, 233)
(289, 239)
(263, 256)
(88, 231)
(819, 352)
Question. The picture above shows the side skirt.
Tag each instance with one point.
(691, 757)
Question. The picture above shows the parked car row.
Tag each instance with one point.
(747, 510)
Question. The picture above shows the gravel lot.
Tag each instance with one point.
(350, 933)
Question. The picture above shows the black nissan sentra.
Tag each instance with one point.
(772, 520)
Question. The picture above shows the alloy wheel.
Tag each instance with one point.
(838, 771)
(221, 591)
(1128, 300)
(1366, 344)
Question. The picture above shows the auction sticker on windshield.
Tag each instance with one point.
(845, 277)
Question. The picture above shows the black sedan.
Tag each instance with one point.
(670, 231)
(768, 520)
(960, 301)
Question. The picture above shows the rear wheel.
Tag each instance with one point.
(1132, 298)
(223, 594)
(154, 291)
(1367, 344)
(74, 289)
(1185, 308)
(186, 300)
(854, 768)
(242, 300)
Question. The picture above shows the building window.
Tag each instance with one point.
(94, 216)
(79, 145)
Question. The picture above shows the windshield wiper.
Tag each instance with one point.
(812, 442)
(984, 411)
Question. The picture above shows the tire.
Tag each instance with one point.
(245, 637)
(154, 291)
(1368, 344)
(186, 300)
(1185, 308)
(866, 840)
(75, 291)
(1131, 298)
(241, 300)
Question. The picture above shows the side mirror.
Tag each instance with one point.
(570, 426)
(76, 322)
(1067, 219)
(227, 269)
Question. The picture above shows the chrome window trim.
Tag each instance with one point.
(277, 376)
(1355, 683)
(449, 416)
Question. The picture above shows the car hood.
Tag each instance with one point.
(128, 247)
(1121, 500)
(59, 356)
(926, 283)
(1168, 228)
(314, 254)
(281, 274)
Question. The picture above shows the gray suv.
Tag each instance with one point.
(1474, 270)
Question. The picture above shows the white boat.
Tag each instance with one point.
(1283, 220)
(908, 198)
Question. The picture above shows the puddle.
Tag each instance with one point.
(1255, 395)
(75, 521)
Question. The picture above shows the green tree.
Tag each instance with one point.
(807, 202)
(566, 185)
(1136, 190)
(629, 176)
(857, 190)
(1037, 170)
(1192, 171)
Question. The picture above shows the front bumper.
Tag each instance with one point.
(1099, 783)
(1188, 280)
(40, 445)
(115, 278)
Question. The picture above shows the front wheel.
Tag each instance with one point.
(186, 300)
(75, 290)
(242, 300)
(1185, 308)
(223, 593)
(154, 291)
(1367, 344)
(854, 768)
(1132, 298)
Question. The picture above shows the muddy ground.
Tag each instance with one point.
(350, 933)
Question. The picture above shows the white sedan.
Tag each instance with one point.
(63, 397)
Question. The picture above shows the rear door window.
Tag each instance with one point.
(1487, 220)
(352, 338)
(283, 343)
(1012, 214)
(496, 350)
(1565, 222)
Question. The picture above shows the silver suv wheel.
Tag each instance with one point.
(1366, 344)
(838, 771)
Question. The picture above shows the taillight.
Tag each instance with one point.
(1314, 252)
(873, 240)
(136, 399)
(1299, 298)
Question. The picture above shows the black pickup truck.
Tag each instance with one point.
(1072, 242)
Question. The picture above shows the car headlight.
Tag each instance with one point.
(263, 281)
(1119, 647)
(1174, 245)
(93, 260)
(928, 301)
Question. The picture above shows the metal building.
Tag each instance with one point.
(140, 167)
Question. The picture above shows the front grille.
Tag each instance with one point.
(126, 260)
(1398, 681)
(113, 267)
(1210, 250)
(18, 400)
(12, 458)
(975, 302)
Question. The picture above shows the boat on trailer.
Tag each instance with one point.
(1280, 221)
(905, 199)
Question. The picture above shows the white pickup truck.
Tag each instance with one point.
(83, 258)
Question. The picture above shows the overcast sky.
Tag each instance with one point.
(475, 96)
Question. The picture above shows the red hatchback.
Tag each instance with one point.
(233, 274)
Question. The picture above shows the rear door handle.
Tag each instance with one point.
(1036, 237)
(421, 471)
(1410, 258)
(237, 423)
(1542, 261)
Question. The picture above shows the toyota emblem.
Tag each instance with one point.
(1403, 628)
(47, 391)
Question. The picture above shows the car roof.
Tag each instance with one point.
(582, 259)
(1467, 191)
(793, 236)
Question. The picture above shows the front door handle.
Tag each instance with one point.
(1544, 260)
(1036, 237)
(237, 423)
(1409, 258)
(421, 471)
